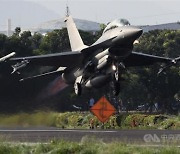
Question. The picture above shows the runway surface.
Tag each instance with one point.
(47, 134)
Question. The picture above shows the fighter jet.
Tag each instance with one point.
(96, 65)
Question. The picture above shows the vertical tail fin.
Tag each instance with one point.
(74, 36)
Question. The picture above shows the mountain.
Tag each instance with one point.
(23, 14)
(170, 26)
(93, 26)
(26, 14)
(59, 23)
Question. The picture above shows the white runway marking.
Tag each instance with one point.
(83, 131)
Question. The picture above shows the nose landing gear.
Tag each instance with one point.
(116, 88)
(116, 82)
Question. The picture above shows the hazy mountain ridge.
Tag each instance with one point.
(170, 26)
(25, 14)
(93, 26)
(59, 23)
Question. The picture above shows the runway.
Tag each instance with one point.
(48, 134)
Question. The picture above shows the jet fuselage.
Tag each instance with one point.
(115, 43)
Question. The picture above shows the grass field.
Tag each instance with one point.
(86, 146)
(82, 120)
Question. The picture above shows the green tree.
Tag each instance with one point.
(87, 37)
(26, 47)
(36, 40)
(160, 88)
(13, 44)
(55, 41)
(17, 31)
(3, 41)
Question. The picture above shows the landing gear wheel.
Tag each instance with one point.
(116, 76)
(77, 89)
(116, 88)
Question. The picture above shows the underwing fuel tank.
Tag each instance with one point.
(98, 81)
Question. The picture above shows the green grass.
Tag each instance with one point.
(26, 120)
(86, 146)
(81, 120)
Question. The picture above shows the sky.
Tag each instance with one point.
(138, 12)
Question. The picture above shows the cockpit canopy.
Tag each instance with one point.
(116, 23)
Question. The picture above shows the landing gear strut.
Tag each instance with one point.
(77, 86)
(116, 88)
(115, 82)
(116, 75)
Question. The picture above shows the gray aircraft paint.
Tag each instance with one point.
(74, 36)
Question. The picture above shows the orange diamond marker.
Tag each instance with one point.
(103, 109)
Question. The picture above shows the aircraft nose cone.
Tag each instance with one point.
(133, 33)
(138, 32)
(128, 34)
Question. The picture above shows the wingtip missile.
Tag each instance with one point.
(174, 62)
(12, 54)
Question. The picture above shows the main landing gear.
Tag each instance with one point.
(77, 89)
(77, 86)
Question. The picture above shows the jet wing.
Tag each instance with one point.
(65, 59)
(141, 59)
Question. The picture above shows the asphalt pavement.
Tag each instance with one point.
(41, 134)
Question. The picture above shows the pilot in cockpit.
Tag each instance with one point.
(116, 23)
